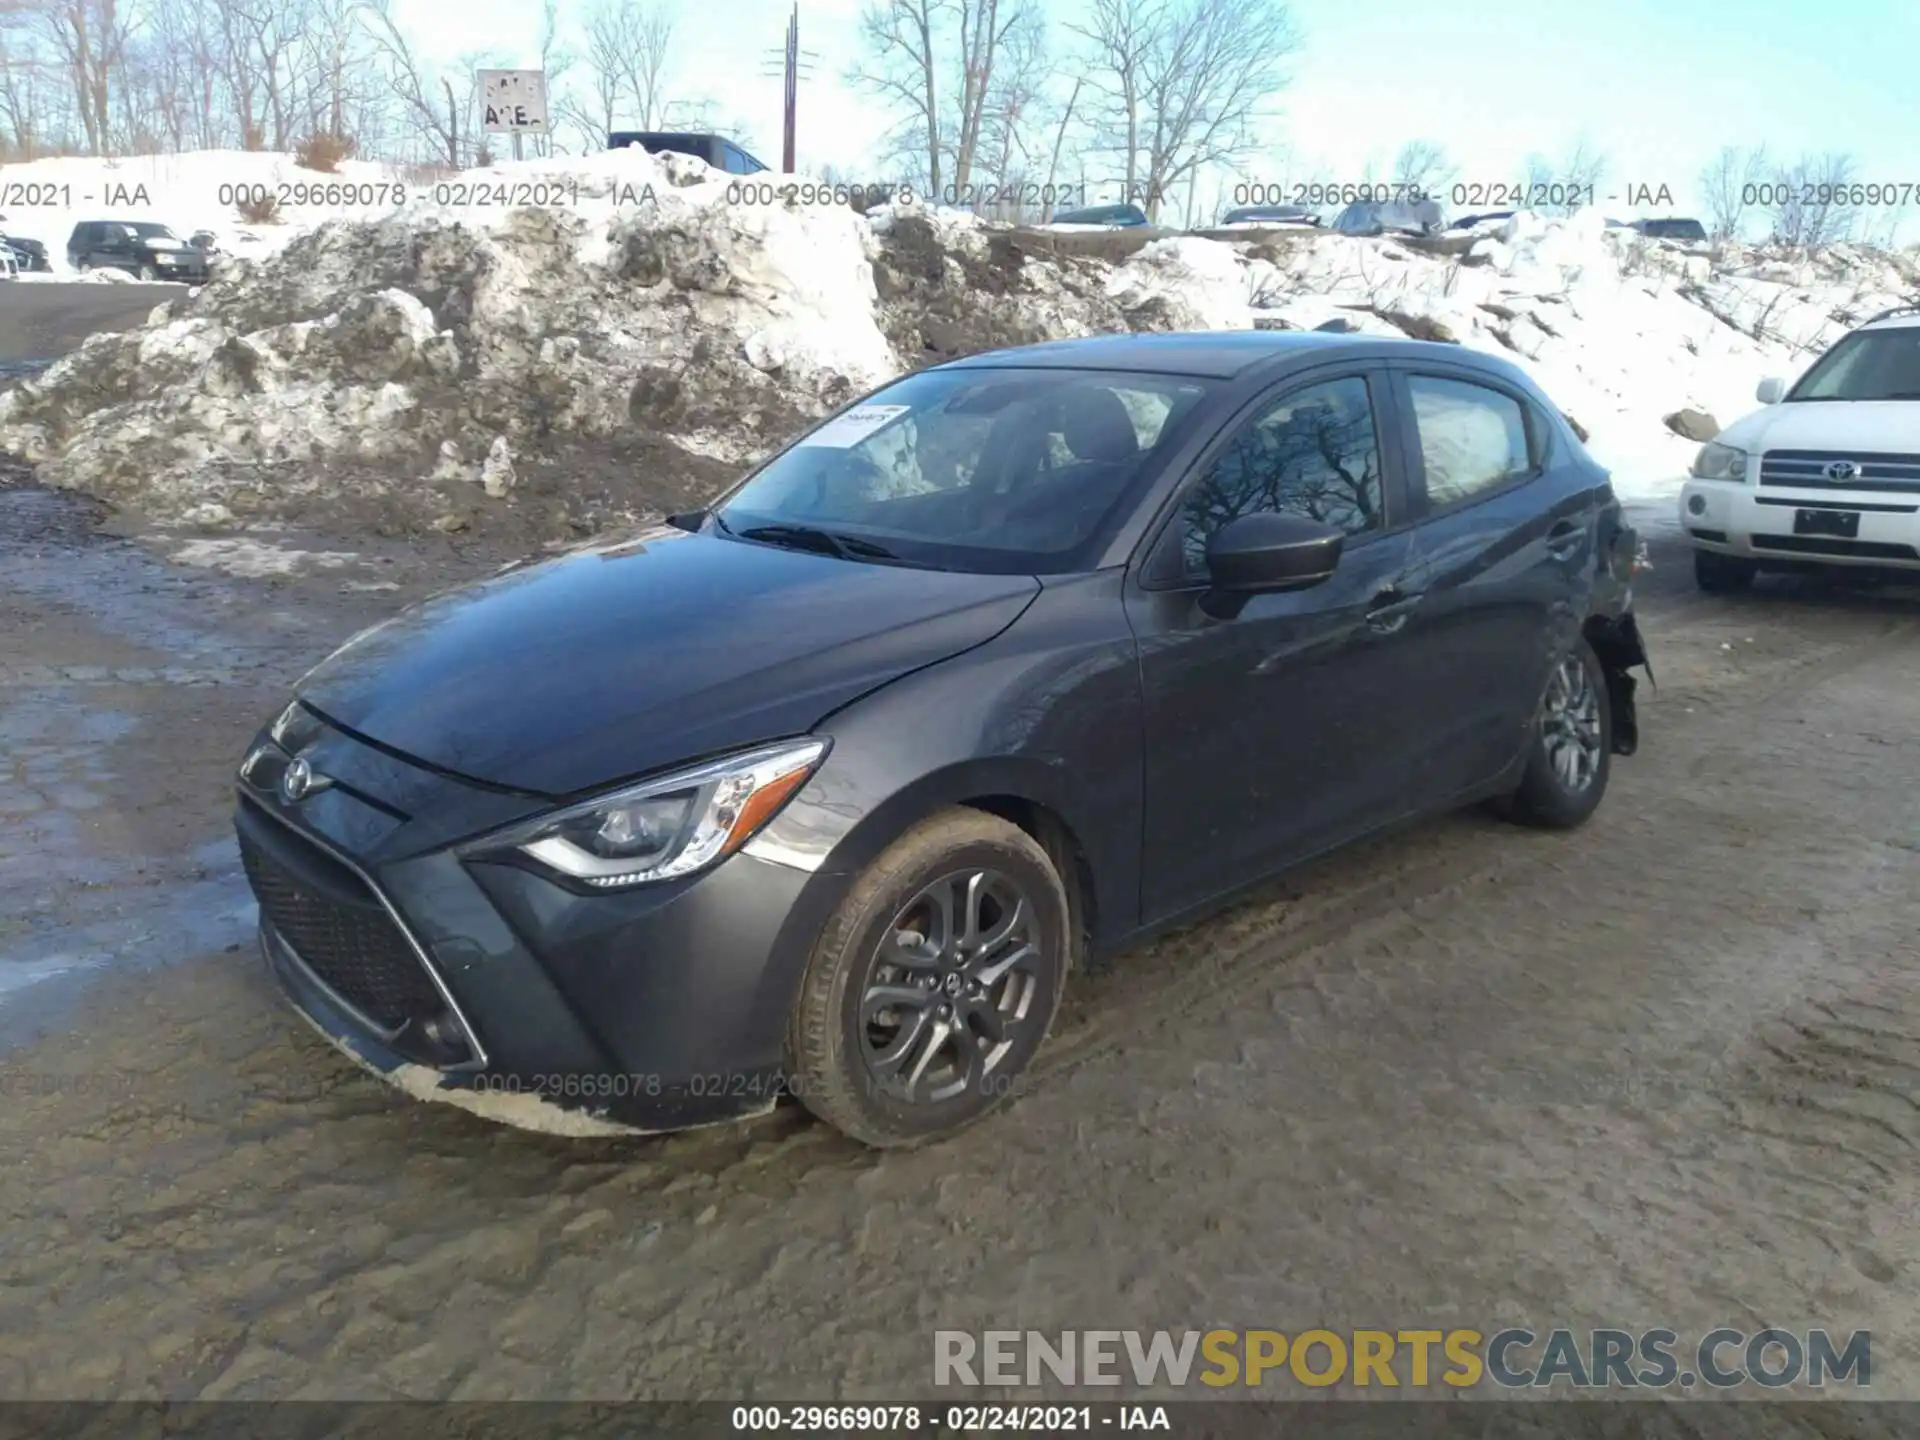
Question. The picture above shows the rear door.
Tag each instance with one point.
(1505, 518)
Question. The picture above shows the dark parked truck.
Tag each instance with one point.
(828, 789)
(718, 151)
(142, 248)
(28, 255)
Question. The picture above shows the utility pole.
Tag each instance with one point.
(793, 62)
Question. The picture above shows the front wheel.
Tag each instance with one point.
(1570, 755)
(1722, 574)
(147, 272)
(934, 984)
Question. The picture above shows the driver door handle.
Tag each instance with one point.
(1390, 610)
(1564, 538)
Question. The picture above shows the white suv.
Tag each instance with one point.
(1827, 474)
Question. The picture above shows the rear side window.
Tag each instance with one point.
(1473, 440)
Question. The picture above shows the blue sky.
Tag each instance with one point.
(1659, 87)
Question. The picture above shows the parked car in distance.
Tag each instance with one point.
(1672, 228)
(143, 248)
(1399, 217)
(1827, 474)
(828, 788)
(1276, 215)
(718, 151)
(28, 255)
(1104, 217)
(1485, 217)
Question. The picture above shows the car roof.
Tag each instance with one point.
(1897, 318)
(1213, 354)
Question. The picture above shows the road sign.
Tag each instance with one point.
(515, 101)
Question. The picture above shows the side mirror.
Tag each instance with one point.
(1266, 552)
(1770, 390)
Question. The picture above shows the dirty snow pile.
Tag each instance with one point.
(622, 351)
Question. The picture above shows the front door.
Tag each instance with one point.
(1262, 731)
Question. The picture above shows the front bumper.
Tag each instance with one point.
(497, 989)
(1757, 523)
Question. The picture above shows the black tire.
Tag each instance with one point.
(849, 1045)
(1547, 797)
(147, 273)
(1722, 574)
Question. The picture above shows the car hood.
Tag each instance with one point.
(619, 660)
(1886, 426)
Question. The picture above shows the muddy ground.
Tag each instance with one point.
(1658, 1072)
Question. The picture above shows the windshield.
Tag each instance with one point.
(997, 471)
(147, 230)
(1869, 365)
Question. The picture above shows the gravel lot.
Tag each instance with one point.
(1658, 1072)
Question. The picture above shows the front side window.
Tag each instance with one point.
(1472, 440)
(1867, 365)
(1006, 471)
(1314, 453)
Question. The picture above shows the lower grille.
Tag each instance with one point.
(352, 945)
(1857, 549)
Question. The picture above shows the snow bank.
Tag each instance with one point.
(430, 358)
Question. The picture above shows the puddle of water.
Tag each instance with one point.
(20, 369)
(43, 976)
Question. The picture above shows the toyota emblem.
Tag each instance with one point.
(1842, 470)
(300, 781)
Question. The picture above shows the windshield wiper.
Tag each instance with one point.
(847, 547)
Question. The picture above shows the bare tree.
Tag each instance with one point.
(641, 36)
(1017, 111)
(1422, 165)
(23, 122)
(900, 40)
(1810, 202)
(988, 29)
(1049, 189)
(1728, 188)
(91, 39)
(555, 62)
(1184, 83)
(625, 65)
(1564, 185)
(437, 106)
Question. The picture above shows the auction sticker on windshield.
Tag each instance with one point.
(856, 425)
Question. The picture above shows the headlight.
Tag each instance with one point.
(295, 728)
(667, 827)
(1720, 462)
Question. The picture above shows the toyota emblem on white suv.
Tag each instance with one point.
(1841, 470)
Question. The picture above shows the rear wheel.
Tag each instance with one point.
(933, 986)
(1571, 754)
(1722, 574)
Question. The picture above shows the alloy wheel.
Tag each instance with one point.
(1570, 725)
(952, 987)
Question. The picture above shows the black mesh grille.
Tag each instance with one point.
(352, 945)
